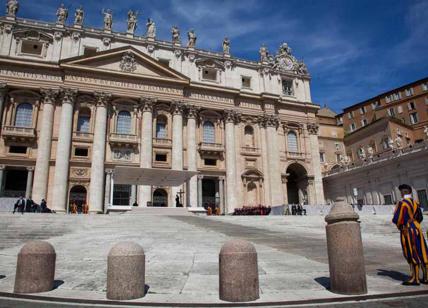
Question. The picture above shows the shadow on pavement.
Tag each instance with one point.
(57, 283)
(324, 281)
(393, 274)
(2, 276)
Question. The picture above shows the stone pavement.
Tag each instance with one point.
(182, 254)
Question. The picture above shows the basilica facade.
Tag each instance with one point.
(77, 102)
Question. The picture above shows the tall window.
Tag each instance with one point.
(292, 142)
(123, 125)
(161, 132)
(249, 136)
(287, 87)
(24, 115)
(209, 132)
(84, 120)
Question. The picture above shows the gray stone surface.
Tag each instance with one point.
(182, 253)
(239, 275)
(35, 269)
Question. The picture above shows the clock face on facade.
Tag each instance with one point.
(285, 63)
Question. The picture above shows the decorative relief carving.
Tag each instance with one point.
(192, 112)
(49, 95)
(106, 41)
(68, 95)
(80, 172)
(231, 116)
(269, 120)
(312, 128)
(177, 107)
(147, 104)
(128, 63)
(75, 35)
(28, 74)
(122, 154)
(102, 98)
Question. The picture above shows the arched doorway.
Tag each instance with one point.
(297, 184)
(160, 198)
(252, 179)
(78, 196)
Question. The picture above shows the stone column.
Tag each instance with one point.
(133, 194)
(177, 142)
(3, 92)
(41, 172)
(107, 189)
(318, 186)
(96, 186)
(146, 148)
(230, 118)
(29, 182)
(265, 164)
(221, 193)
(60, 186)
(192, 156)
(276, 194)
(1, 179)
(200, 177)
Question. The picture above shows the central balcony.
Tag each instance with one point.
(211, 148)
(19, 134)
(162, 143)
(123, 140)
(252, 151)
(82, 136)
(295, 155)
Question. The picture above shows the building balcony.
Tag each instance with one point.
(82, 136)
(295, 155)
(211, 148)
(123, 140)
(250, 151)
(162, 142)
(19, 134)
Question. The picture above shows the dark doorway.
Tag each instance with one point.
(209, 193)
(297, 184)
(78, 195)
(15, 182)
(160, 198)
(121, 194)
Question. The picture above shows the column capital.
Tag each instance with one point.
(192, 112)
(200, 177)
(269, 120)
(222, 178)
(3, 88)
(49, 95)
(177, 108)
(312, 128)
(109, 171)
(102, 98)
(231, 116)
(68, 95)
(147, 104)
(30, 169)
(2, 167)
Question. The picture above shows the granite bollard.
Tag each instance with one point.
(345, 250)
(239, 275)
(35, 269)
(126, 271)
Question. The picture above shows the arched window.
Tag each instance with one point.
(24, 115)
(292, 142)
(84, 120)
(161, 132)
(249, 136)
(209, 132)
(123, 125)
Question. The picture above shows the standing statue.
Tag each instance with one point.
(370, 151)
(391, 143)
(284, 49)
(79, 15)
(62, 14)
(108, 19)
(12, 8)
(399, 142)
(175, 35)
(362, 154)
(151, 28)
(192, 39)
(426, 132)
(226, 46)
(132, 21)
(263, 51)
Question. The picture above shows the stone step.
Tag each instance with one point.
(159, 211)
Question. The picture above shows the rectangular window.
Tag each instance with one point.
(363, 122)
(17, 149)
(161, 157)
(210, 162)
(209, 74)
(81, 152)
(375, 105)
(425, 86)
(164, 62)
(414, 118)
(161, 130)
(352, 127)
(411, 106)
(89, 51)
(363, 110)
(409, 92)
(322, 157)
(121, 194)
(391, 112)
(423, 199)
(387, 199)
(287, 87)
(246, 82)
(32, 47)
(83, 122)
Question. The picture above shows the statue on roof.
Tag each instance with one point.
(426, 132)
(12, 8)
(108, 19)
(61, 14)
(79, 15)
(132, 21)
(284, 49)
(226, 46)
(263, 51)
(301, 68)
(175, 35)
(151, 29)
(191, 35)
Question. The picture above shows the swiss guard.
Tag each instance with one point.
(408, 218)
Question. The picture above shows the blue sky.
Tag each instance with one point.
(354, 49)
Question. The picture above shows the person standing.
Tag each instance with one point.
(408, 218)
(19, 205)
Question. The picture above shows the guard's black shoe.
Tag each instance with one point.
(410, 283)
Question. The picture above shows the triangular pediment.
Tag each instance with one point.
(125, 61)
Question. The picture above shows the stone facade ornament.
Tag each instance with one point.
(108, 19)
(150, 48)
(151, 29)
(228, 64)
(75, 35)
(102, 98)
(175, 32)
(147, 104)
(192, 112)
(62, 15)
(12, 8)
(271, 120)
(231, 116)
(426, 132)
(68, 95)
(128, 63)
(263, 54)
(191, 35)
(370, 151)
(132, 21)
(391, 144)
(79, 16)
(399, 142)
(312, 128)
(226, 46)
(49, 95)
(106, 41)
(178, 53)
(122, 154)
(177, 107)
(362, 154)
(58, 35)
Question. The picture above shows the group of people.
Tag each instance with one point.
(28, 205)
(79, 208)
(298, 210)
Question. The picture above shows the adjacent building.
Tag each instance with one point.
(77, 102)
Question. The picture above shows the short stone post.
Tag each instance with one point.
(239, 275)
(345, 250)
(126, 271)
(35, 269)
